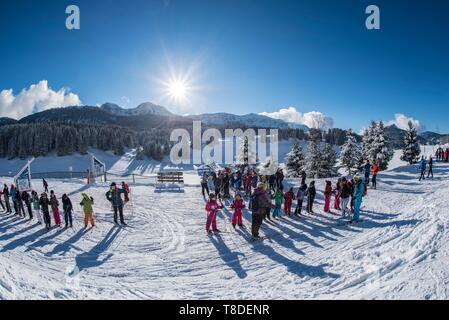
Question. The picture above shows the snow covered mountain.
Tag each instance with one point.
(146, 108)
(248, 120)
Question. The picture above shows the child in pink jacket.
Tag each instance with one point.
(238, 205)
(212, 207)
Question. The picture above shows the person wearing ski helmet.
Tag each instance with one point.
(212, 207)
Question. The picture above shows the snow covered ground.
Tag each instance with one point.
(399, 251)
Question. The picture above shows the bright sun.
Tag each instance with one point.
(178, 89)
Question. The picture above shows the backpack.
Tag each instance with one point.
(253, 203)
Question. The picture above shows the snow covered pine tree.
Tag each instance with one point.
(295, 161)
(411, 150)
(351, 153)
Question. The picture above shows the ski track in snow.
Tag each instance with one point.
(399, 250)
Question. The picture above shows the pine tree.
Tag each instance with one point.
(245, 155)
(411, 150)
(313, 159)
(295, 161)
(380, 147)
(367, 143)
(351, 154)
(328, 161)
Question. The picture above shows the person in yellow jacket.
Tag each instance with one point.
(87, 204)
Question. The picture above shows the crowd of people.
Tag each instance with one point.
(268, 199)
(46, 207)
(442, 155)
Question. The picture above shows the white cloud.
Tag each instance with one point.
(401, 121)
(37, 97)
(314, 119)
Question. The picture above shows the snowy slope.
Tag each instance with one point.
(400, 250)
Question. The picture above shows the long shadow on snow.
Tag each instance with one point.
(17, 233)
(23, 240)
(11, 222)
(63, 247)
(287, 242)
(295, 267)
(369, 224)
(229, 257)
(91, 258)
(45, 240)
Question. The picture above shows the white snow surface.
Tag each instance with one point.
(399, 251)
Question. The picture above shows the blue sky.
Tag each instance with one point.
(241, 56)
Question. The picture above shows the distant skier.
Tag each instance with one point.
(212, 207)
(344, 195)
(36, 207)
(204, 186)
(311, 193)
(87, 204)
(44, 202)
(278, 201)
(358, 194)
(374, 171)
(45, 184)
(6, 197)
(114, 196)
(67, 207)
(300, 195)
(237, 205)
(27, 200)
(430, 172)
(327, 196)
(289, 196)
(55, 208)
(422, 167)
(303, 178)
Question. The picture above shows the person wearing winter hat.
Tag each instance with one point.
(114, 196)
(212, 207)
(87, 204)
(237, 205)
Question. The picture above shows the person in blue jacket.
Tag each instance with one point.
(358, 195)
(367, 168)
(422, 167)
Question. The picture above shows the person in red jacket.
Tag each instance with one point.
(337, 192)
(288, 197)
(327, 196)
(237, 205)
(212, 207)
(374, 171)
(247, 179)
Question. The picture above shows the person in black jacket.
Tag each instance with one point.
(6, 197)
(26, 198)
(430, 168)
(45, 184)
(44, 202)
(311, 193)
(115, 198)
(67, 207)
(20, 207)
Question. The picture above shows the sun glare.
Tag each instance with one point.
(178, 89)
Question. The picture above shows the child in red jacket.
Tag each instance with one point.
(212, 207)
(327, 196)
(238, 205)
(288, 197)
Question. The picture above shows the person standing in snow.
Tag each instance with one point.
(430, 172)
(300, 195)
(125, 187)
(289, 196)
(260, 204)
(26, 199)
(374, 171)
(67, 207)
(1, 201)
(19, 201)
(344, 196)
(367, 169)
(114, 196)
(422, 167)
(35, 205)
(337, 192)
(55, 208)
(44, 202)
(303, 177)
(87, 204)
(327, 196)
(358, 193)
(45, 184)
(351, 185)
(237, 205)
(204, 186)
(311, 193)
(6, 197)
(278, 200)
(212, 207)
